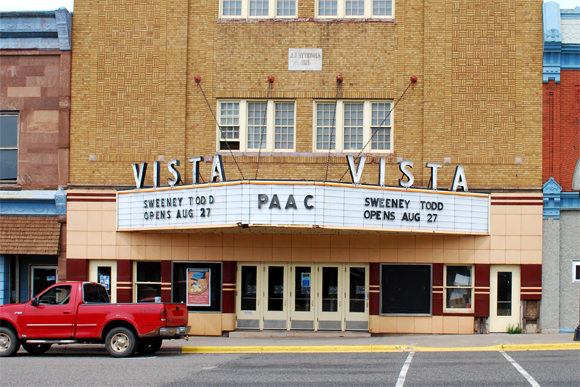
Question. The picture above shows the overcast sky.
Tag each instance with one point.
(48, 5)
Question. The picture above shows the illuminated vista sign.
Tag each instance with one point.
(356, 170)
(302, 204)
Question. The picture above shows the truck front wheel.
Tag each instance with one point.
(9, 342)
(121, 342)
(149, 346)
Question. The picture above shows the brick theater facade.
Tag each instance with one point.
(295, 167)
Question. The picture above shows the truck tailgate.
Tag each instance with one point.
(176, 315)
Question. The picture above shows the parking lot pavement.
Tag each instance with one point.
(407, 367)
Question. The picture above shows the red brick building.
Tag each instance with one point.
(561, 138)
(561, 169)
(35, 70)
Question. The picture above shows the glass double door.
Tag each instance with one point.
(305, 296)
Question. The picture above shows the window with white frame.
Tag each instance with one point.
(350, 126)
(576, 271)
(8, 146)
(256, 125)
(355, 8)
(458, 288)
(147, 282)
(258, 8)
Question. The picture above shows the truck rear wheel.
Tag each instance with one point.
(9, 342)
(121, 342)
(149, 346)
(36, 349)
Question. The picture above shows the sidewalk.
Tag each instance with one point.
(258, 342)
(326, 342)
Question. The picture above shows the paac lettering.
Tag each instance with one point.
(264, 200)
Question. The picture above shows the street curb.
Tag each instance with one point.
(375, 348)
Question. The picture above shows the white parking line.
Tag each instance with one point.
(403, 373)
(519, 368)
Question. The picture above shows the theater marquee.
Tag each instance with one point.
(304, 205)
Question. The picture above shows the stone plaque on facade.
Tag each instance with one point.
(304, 59)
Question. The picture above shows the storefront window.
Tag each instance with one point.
(406, 289)
(148, 281)
(198, 285)
(458, 287)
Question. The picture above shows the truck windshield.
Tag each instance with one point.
(93, 293)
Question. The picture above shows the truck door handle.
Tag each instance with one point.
(66, 312)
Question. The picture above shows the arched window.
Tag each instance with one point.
(576, 177)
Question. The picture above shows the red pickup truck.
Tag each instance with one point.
(80, 312)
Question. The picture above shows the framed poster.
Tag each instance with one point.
(198, 287)
(181, 281)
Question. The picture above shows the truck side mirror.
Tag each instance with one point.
(34, 301)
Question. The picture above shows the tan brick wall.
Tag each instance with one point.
(478, 62)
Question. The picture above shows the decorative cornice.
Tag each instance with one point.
(552, 21)
(60, 202)
(555, 200)
(561, 40)
(552, 35)
(570, 13)
(30, 194)
(33, 203)
(27, 207)
(47, 30)
(570, 57)
(63, 28)
(551, 187)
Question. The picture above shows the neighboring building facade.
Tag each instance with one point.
(561, 169)
(295, 87)
(35, 65)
